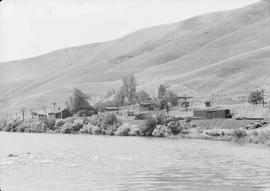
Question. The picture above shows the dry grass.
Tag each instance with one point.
(218, 52)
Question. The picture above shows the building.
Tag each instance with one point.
(212, 113)
(149, 106)
(184, 101)
(42, 117)
(111, 109)
(63, 114)
(52, 116)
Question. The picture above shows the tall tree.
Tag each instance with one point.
(255, 97)
(161, 91)
(142, 96)
(129, 88)
(79, 101)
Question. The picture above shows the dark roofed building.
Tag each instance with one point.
(63, 114)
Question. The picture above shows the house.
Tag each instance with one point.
(42, 117)
(184, 101)
(52, 116)
(149, 106)
(34, 115)
(63, 114)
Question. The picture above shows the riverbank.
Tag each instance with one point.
(156, 126)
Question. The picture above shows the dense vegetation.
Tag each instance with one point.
(157, 126)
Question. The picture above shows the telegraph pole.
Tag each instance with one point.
(44, 107)
(54, 107)
(23, 112)
(263, 97)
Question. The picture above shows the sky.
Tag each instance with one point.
(33, 27)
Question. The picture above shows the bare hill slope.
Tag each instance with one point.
(222, 52)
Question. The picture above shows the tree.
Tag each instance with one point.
(255, 97)
(129, 88)
(79, 101)
(172, 98)
(142, 96)
(161, 91)
(120, 97)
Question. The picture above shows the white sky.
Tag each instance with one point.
(33, 27)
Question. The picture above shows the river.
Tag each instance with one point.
(56, 162)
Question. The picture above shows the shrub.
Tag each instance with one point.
(66, 128)
(239, 133)
(11, 126)
(110, 118)
(134, 130)
(86, 129)
(110, 130)
(161, 131)
(86, 113)
(21, 128)
(130, 113)
(175, 127)
(255, 97)
(59, 123)
(96, 130)
(161, 118)
(143, 116)
(123, 130)
(48, 125)
(77, 125)
(148, 127)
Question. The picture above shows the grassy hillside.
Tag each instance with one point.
(221, 52)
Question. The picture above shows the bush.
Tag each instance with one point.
(86, 113)
(175, 127)
(143, 116)
(66, 128)
(48, 125)
(110, 118)
(11, 126)
(21, 128)
(161, 131)
(161, 118)
(59, 123)
(255, 97)
(148, 127)
(239, 133)
(77, 125)
(134, 130)
(123, 130)
(130, 113)
(86, 129)
(96, 130)
(109, 130)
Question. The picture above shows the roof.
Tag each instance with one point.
(184, 97)
(111, 108)
(211, 109)
(148, 103)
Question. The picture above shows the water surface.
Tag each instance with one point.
(84, 162)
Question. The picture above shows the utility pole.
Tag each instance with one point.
(23, 112)
(44, 107)
(67, 105)
(54, 107)
(263, 97)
